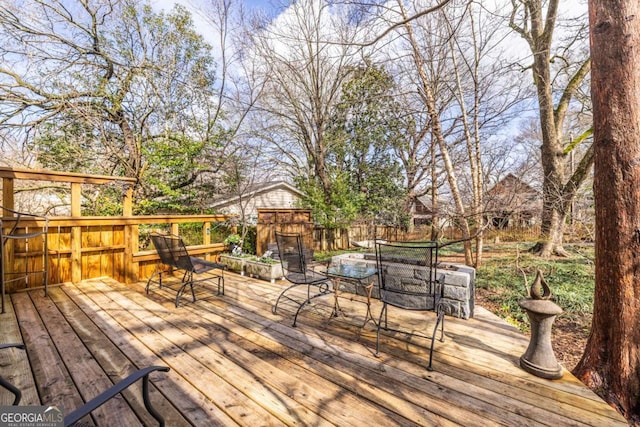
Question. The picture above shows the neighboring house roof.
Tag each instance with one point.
(254, 191)
(424, 206)
(513, 194)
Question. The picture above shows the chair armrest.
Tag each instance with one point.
(13, 345)
(7, 385)
(103, 397)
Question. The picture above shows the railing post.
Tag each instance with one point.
(76, 233)
(7, 195)
(7, 202)
(130, 239)
(206, 236)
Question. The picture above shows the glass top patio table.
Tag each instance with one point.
(354, 272)
(357, 275)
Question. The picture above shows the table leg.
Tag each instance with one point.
(369, 315)
(336, 292)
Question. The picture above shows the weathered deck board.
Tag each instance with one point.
(53, 380)
(352, 368)
(233, 362)
(174, 388)
(468, 389)
(264, 358)
(114, 362)
(209, 373)
(377, 387)
(14, 365)
(88, 376)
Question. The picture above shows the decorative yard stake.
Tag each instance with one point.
(539, 359)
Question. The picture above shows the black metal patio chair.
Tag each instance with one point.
(295, 263)
(173, 253)
(407, 274)
(76, 415)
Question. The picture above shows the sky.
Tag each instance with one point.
(200, 24)
(516, 45)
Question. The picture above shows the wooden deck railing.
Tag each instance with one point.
(87, 247)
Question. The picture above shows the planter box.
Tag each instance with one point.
(234, 263)
(271, 272)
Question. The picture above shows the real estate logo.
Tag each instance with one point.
(31, 416)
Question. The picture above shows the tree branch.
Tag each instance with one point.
(405, 21)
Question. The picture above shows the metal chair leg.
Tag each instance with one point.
(7, 385)
(13, 389)
(439, 321)
(382, 312)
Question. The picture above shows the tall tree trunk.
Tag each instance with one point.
(436, 231)
(611, 362)
(557, 190)
(552, 156)
(472, 139)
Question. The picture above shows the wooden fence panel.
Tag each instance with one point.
(24, 259)
(101, 252)
(60, 255)
(283, 220)
(118, 261)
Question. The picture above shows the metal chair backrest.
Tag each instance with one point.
(407, 274)
(162, 247)
(291, 252)
(179, 252)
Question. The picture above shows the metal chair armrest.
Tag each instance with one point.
(103, 397)
(13, 345)
(7, 385)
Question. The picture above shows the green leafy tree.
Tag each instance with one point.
(366, 179)
(338, 208)
(366, 130)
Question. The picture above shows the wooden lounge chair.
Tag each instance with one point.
(173, 254)
(73, 417)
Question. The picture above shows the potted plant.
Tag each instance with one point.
(265, 268)
(235, 259)
(234, 242)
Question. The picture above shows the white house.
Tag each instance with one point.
(277, 194)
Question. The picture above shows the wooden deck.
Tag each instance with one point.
(233, 362)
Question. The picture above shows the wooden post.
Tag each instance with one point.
(8, 202)
(131, 246)
(7, 195)
(76, 233)
(127, 203)
(206, 236)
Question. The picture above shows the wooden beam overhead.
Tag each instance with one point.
(56, 176)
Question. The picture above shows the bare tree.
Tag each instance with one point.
(112, 87)
(305, 56)
(463, 97)
(428, 94)
(537, 24)
(611, 362)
